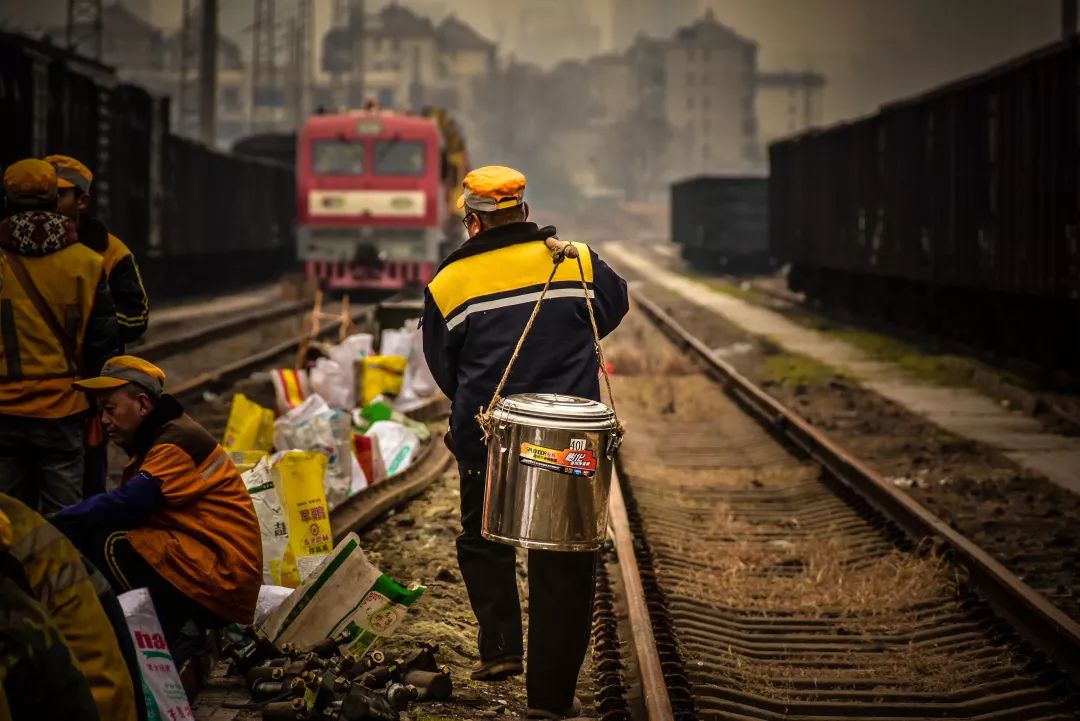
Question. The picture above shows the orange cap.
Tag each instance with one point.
(30, 181)
(492, 187)
(70, 173)
(124, 369)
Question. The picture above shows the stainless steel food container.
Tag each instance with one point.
(548, 470)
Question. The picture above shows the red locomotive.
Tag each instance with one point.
(375, 194)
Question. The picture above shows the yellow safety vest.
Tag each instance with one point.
(35, 372)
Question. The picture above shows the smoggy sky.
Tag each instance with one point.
(872, 51)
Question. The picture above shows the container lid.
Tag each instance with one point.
(553, 407)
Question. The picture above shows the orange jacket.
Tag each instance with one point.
(205, 540)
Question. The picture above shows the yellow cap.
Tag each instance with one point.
(70, 173)
(124, 369)
(492, 187)
(29, 181)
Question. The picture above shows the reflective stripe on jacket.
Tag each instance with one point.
(128, 293)
(55, 574)
(125, 282)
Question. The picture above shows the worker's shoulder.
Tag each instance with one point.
(79, 258)
(183, 434)
(467, 261)
(117, 246)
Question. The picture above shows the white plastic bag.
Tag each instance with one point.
(345, 593)
(314, 426)
(395, 341)
(165, 697)
(270, 597)
(418, 384)
(272, 524)
(334, 382)
(398, 445)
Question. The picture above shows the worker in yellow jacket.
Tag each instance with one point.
(73, 181)
(37, 557)
(57, 324)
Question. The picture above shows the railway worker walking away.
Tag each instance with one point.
(181, 523)
(125, 284)
(57, 324)
(474, 312)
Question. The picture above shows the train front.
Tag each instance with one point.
(370, 211)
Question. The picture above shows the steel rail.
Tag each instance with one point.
(657, 702)
(206, 380)
(155, 350)
(1037, 620)
(370, 504)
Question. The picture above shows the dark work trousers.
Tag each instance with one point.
(561, 586)
(41, 460)
(95, 469)
(125, 569)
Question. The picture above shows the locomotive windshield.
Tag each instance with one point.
(337, 157)
(399, 157)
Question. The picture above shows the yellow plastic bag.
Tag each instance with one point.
(250, 426)
(380, 375)
(298, 481)
(246, 460)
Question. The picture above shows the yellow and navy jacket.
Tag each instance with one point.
(477, 305)
(189, 514)
(125, 282)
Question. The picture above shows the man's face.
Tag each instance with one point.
(70, 202)
(122, 412)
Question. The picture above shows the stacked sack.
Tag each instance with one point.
(340, 426)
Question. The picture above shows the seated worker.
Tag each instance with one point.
(38, 562)
(180, 523)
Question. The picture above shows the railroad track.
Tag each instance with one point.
(768, 574)
(197, 349)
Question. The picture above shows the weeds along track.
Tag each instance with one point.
(790, 591)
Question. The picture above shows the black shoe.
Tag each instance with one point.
(498, 668)
(543, 713)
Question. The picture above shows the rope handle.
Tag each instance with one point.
(559, 252)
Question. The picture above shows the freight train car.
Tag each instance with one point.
(957, 211)
(720, 223)
(181, 207)
(277, 148)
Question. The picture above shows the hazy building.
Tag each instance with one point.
(180, 79)
(408, 61)
(711, 82)
(654, 18)
(543, 32)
